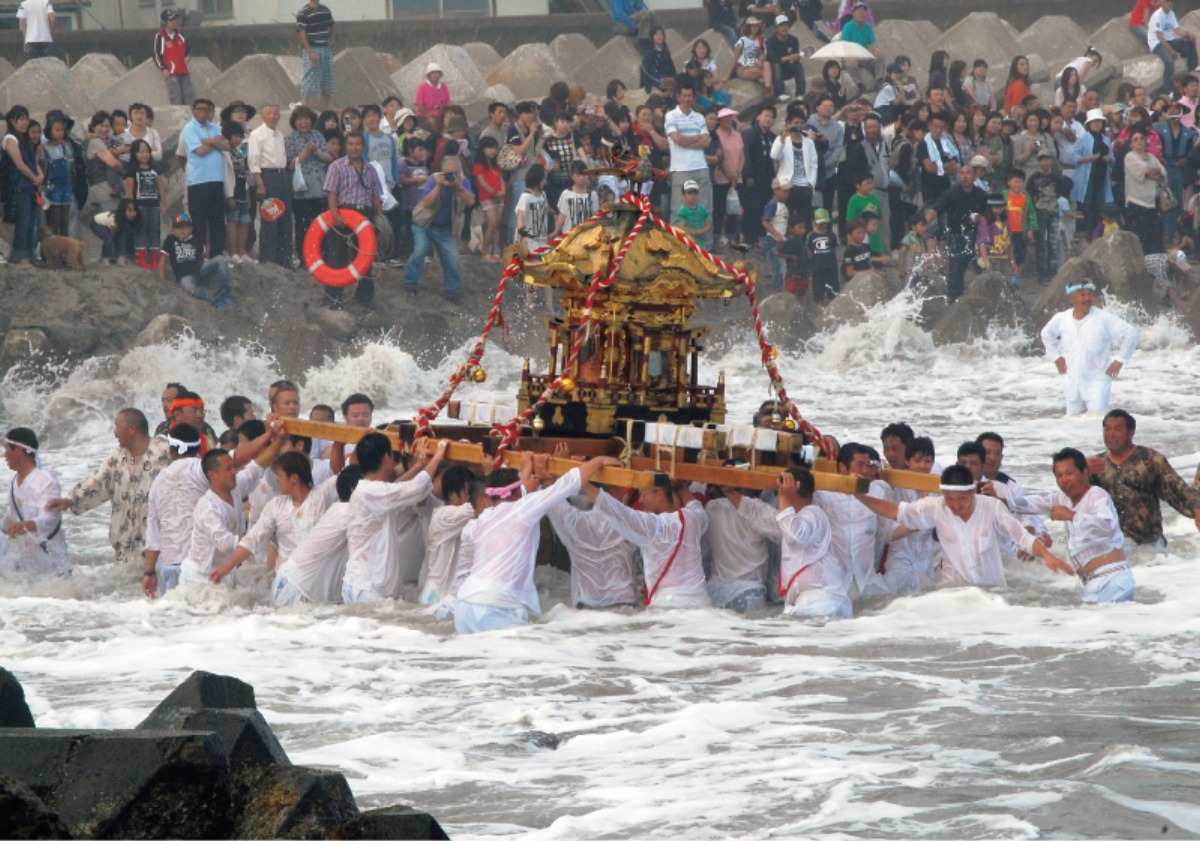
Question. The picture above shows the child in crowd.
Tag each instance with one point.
(489, 187)
(872, 221)
(856, 257)
(1110, 221)
(185, 252)
(822, 258)
(994, 240)
(693, 218)
(578, 204)
(560, 149)
(794, 251)
(1044, 188)
(146, 190)
(237, 174)
(775, 224)
(1022, 216)
(59, 158)
(914, 253)
(864, 199)
(432, 94)
(533, 221)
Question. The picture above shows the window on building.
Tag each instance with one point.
(217, 8)
(440, 8)
(147, 4)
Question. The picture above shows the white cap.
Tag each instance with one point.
(781, 19)
(688, 186)
(1095, 114)
(432, 67)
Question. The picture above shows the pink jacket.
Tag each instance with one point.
(430, 100)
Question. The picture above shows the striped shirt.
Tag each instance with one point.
(317, 24)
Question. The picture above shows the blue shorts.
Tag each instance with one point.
(239, 215)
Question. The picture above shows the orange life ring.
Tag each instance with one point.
(357, 270)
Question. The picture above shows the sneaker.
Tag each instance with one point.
(235, 260)
(783, 97)
(395, 263)
(121, 261)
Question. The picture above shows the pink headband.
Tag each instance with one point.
(504, 492)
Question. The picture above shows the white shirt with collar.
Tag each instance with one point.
(266, 150)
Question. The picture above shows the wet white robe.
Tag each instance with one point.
(740, 539)
(41, 552)
(971, 547)
(604, 564)
(1086, 346)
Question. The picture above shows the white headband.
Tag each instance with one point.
(957, 487)
(31, 450)
(181, 446)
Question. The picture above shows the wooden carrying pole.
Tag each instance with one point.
(469, 453)
(761, 479)
(907, 479)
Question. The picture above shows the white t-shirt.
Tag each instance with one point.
(690, 124)
(534, 216)
(36, 14)
(1163, 21)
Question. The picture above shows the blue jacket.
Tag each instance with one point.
(622, 11)
(656, 66)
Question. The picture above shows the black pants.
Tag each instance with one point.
(275, 238)
(305, 211)
(1146, 223)
(754, 201)
(206, 204)
(799, 202)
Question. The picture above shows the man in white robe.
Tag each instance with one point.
(169, 511)
(1095, 543)
(1080, 342)
(317, 565)
(813, 581)
(35, 545)
(970, 529)
(741, 532)
(443, 535)
(853, 528)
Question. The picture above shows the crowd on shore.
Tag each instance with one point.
(361, 523)
(857, 169)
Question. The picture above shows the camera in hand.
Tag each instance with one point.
(449, 176)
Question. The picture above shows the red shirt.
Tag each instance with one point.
(488, 181)
(1142, 10)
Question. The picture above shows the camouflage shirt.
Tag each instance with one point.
(1137, 485)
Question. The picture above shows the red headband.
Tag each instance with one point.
(184, 402)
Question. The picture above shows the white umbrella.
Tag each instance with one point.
(843, 51)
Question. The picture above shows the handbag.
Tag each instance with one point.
(509, 158)
(1165, 199)
(424, 215)
(299, 185)
(733, 204)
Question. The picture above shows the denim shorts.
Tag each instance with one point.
(239, 215)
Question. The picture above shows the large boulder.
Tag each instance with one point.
(981, 35)
(24, 344)
(361, 77)
(392, 822)
(459, 72)
(528, 71)
(1191, 315)
(96, 72)
(1115, 264)
(24, 815)
(616, 59)
(787, 323)
(6, 69)
(294, 802)
(258, 79)
(42, 85)
(14, 712)
(1056, 38)
(162, 330)
(205, 74)
(866, 290)
(906, 37)
(125, 784)
(143, 83)
(390, 62)
(1115, 42)
(293, 67)
(1147, 71)
(571, 49)
(990, 299)
(484, 55)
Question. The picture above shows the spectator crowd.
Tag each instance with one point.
(856, 169)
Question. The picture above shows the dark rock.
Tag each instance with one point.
(125, 784)
(296, 802)
(1191, 314)
(990, 299)
(1116, 265)
(24, 815)
(14, 712)
(787, 323)
(201, 691)
(391, 822)
(866, 290)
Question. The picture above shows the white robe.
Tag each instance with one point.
(173, 498)
(216, 528)
(1086, 346)
(909, 563)
(375, 508)
(657, 535)
(971, 547)
(318, 563)
(40, 552)
(1095, 530)
(604, 565)
(442, 539)
(740, 539)
(853, 528)
(282, 523)
(505, 548)
(807, 564)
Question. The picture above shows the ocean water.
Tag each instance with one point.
(958, 713)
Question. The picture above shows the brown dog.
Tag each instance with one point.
(60, 252)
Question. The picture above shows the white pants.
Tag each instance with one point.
(1114, 585)
(354, 595)
(285, 594)
(1086, 394)
(471, 618)
(819, 603)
